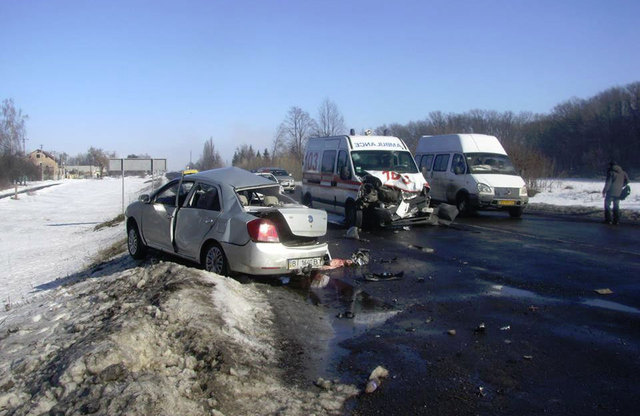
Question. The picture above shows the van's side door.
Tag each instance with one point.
(439, 176)
(456, 177)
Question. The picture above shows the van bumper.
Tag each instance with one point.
(490, 201)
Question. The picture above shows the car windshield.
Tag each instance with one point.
(490, 163)
(383, 160)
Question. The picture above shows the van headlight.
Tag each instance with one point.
(523, 191)
(484, 188)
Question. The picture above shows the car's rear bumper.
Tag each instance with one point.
(270, 258)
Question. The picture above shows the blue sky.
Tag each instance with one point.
(161, 77)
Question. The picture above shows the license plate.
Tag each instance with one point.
(506, 202)
(300, 263)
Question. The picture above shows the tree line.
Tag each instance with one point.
(577, 138)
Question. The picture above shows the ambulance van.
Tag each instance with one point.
(365, 178)
(472, 171)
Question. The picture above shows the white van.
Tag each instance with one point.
(472, 171)
(370, 177)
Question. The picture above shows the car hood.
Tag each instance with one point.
(499, 181)
(305, 222)
(410, 182)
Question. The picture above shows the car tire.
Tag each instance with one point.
(214, 260)
(306, 200)
(136, 247)
(353, 215)
(463, 204)
(516, 212)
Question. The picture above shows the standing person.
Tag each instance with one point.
(616, 180)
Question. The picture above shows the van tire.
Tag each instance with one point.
(516, 212)
(353, 215)
(306, 200)
(463, 203)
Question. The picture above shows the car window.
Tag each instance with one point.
(441, 162)
(457, 164)
(425, 162)
(205, 197)
(328, 161)
(167, 196)
(342, 161)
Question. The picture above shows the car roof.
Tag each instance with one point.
(233, 176)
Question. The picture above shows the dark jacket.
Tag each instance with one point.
(616, 180)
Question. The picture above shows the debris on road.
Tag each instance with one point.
(605, 291)
(354, 234)
(375, 379)
(361, 257)
(346, 315)
(533, 308)
(505, 328)
(384, 276)
(451, 332)
(423, 249)
(480, 329)
(319, 280)
(528, 357)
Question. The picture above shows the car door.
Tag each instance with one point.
(157, 219)
(439, 175)
(196, 219)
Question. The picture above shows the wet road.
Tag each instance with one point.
(550, 343)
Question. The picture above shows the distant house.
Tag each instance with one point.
(48, 166)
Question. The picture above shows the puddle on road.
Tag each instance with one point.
(607, 304)
(501, 290)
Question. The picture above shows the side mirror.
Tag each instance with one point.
(345, 173)
(144, 198)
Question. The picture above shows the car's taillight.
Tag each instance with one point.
(263, 231)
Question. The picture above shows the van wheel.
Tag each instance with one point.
(516, 212)
(463, 204)
(353, 216)
(306, 200)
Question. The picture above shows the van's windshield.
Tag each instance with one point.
(383, 160)
(490, 163)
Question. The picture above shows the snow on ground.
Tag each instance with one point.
(581, 192)
(48, 234)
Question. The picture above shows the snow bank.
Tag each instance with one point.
(48, 234)
(162, 339)
(581, 192)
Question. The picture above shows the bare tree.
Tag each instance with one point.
(210, 158)
(99, 158)
(12, 129)
(294, 131)
(330, 119)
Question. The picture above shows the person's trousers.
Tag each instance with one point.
(608, 200)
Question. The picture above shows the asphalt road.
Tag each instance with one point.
(550, 344)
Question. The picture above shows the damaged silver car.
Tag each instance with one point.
(230, 221)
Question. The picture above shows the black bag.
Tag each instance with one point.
(625, 192)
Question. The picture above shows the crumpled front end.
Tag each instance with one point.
(390, 198)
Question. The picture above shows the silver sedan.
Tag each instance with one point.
(229, 220)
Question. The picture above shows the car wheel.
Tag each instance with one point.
(515, 212)
(306, 200)
(353, 215)
(215, 261)
(463, 204)
(136, 247)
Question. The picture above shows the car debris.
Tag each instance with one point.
(451, 332)
(480, 329)
(346, 315)
(604, 291)
(361, 257)
(375, 379)
(423, 249)
(505, 328)
(384, 276)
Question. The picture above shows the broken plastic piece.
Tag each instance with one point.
(480, 328)
(605, 291)
(375, 378)
(451, 332)
(505, 328)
